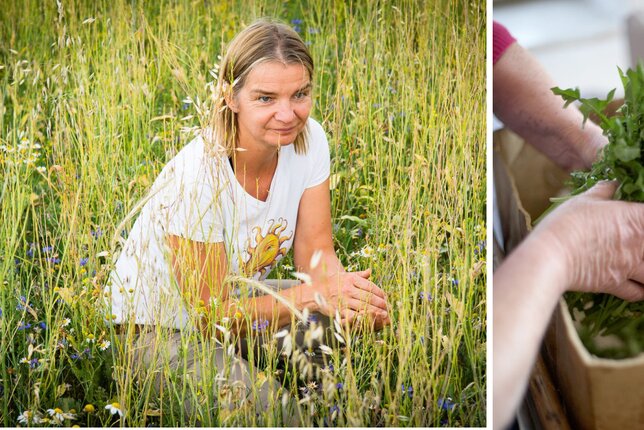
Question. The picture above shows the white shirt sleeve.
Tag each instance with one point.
(195, 213)
(318, 155)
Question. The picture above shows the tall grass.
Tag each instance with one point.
(98, 96)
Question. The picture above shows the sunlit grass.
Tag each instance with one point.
(97, 98)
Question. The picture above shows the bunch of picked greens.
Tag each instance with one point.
(608, 326)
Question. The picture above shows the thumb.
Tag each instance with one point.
(364, 273)
(603, 190)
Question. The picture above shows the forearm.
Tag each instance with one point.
(261, 312)
(524, 102)
(527, 287)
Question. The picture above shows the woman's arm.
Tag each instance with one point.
(590, 244)
(200, 269)
(524, 102)
(352, 293)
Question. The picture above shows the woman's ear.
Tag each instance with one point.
(230, 102)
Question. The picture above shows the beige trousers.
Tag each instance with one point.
(188, 367)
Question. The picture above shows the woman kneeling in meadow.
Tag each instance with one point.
(230, 205)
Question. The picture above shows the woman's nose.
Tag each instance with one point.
(284, 112)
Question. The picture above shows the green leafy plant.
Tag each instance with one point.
(608, 326)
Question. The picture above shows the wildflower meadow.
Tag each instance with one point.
(96, 96)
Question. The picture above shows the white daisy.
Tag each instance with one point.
(28, 417)
(114, 408)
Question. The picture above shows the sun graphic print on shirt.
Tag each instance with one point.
(263, 257)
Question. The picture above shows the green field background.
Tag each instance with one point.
(97, 96)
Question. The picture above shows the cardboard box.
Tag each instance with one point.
(597, 393)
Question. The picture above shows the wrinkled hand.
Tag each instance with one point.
(597, 243)
(355, 297)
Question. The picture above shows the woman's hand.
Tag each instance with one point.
(354, 296)
(597, 243)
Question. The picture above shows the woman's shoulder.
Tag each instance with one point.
(316, 140)
(193, 162)
(315, 128)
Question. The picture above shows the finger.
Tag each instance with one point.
(348, 316)
(630, 291)
(360, 306)
(366, 274)
(638, 274)
(381, 323)
(603, 190)
(368, 286)
(367, 298)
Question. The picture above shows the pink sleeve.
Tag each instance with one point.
(501, 40)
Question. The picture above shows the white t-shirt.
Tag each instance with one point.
(198, 197)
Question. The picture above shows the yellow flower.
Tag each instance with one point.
(89, 408)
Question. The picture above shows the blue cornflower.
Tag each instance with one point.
(454, 282)
(260, 325)
(0, 312)
(313, 30)
(96, 233)
(425, 296)
(446, 404)
(24, 326)
(480, 247)
(297, 21)
(297, 28)
(339, 385)
(47, 249)
(83, 261)
(54, 260)
(74, 356)
(87, 352)
(334, 410)
(30, 253)
(409, 390)
(330, 367)
(42, 325)
(313, 318)
(33, 363)
(185, 106)
(22, 303)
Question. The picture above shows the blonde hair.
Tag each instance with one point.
(264, 40)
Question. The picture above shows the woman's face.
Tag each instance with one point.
(273, 105)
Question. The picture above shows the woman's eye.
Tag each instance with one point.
(300, 95)
(264, 99)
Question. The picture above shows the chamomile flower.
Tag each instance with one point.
(114, 408)
(90, 338)
(58, 416)
(366, 252)
(28, 417)
(104, 345)
(65, 322)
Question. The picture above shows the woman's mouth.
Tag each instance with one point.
(284, 130)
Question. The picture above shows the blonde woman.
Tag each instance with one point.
(233, 202)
